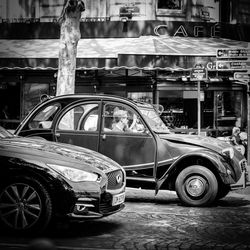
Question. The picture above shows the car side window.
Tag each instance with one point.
(43, 120)
(83, 117)
(90, 121)
(120, 119)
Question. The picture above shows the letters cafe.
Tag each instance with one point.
(155, 68)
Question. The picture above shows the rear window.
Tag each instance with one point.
(43, 120)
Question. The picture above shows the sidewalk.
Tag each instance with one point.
(143, 194)
(245, 191)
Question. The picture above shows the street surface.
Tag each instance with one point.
(150, 222)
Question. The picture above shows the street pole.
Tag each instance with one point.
(198, 73)
(199, 108)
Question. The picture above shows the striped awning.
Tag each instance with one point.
(145, 52)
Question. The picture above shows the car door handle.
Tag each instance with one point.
(104, 137)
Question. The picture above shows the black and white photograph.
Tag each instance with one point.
(124, 124)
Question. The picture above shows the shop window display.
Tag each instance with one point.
(173, 114)
(170, 7)
(170, 4)
(228, 110)
(9, 107)
(32, 93)
(220, 111)
(180, 109)
(141, 96)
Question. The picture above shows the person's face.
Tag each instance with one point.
(124, 120)
(236, 132)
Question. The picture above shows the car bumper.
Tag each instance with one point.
(92, 215)
(96, 207)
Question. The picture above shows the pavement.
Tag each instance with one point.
(151, 222)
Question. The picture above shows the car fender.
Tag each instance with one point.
(216, 162)
(31, 167)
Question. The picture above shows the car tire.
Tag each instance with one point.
(26, 206)
(196, 186)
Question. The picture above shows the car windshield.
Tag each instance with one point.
(154, 120)
(4, 133)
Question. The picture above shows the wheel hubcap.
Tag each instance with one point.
(20, 206)
(196, 186)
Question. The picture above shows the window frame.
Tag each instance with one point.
(82, 117)
(171, 12)
(125, 107)
(40, 122)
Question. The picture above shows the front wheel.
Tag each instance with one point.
(25, 205)
(196, 186)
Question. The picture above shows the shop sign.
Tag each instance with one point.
(20, 20)
(200, 30)
(205, 14)
(129, 11)
(233, 53)
(198, 74)
(232, 65)
(95, 19)
(241, 76)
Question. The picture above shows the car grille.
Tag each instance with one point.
(115, 179)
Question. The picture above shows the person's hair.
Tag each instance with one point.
(118, 114)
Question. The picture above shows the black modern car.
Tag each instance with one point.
(200, 169)
(42, 180)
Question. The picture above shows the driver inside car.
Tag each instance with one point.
(120, 123)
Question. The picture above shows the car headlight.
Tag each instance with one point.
(229, 152)
(75, 175)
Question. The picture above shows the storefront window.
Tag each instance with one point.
(173, 114)
(171, 8)
(180, 109)
(228, 109)
(50, 9)
(220, 110)
(9, 104)
(141, 96)
(207, 116)
(170, 4)
(32, 93)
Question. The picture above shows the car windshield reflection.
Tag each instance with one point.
(154, 120)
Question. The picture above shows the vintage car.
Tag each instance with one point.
(200, 169)
(42, 180)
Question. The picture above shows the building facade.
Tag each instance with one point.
(143, 50)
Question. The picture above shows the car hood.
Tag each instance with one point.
(58, 151)
(200, 141)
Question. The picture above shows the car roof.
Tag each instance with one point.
(101, 96)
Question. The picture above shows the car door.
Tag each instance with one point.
(134, 148)
(79, 125)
